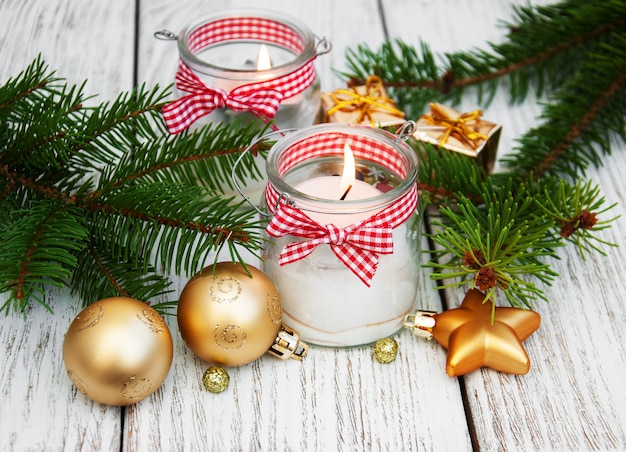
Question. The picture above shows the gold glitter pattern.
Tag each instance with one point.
(225, 289)
(385, 350)
(274, 309)
(152, 319)
(215, 379)
(230, 337)
(90, 316)
(136, 388)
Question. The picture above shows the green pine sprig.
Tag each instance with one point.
(575, 210)
(573, 54)
(495, 244)
(101, 199)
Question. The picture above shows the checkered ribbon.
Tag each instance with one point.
(261, 98)
(359, 244)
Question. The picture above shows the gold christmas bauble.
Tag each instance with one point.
(118, 351)
(228, 317)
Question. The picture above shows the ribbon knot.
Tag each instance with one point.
(337, 236)
(462, 127)
(365, 104)
(357, 245)
(220, 100)
(202, 100)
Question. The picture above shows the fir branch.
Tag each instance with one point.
(575, 210)
(578, 120)
(90, 197)
(46, 232)
(34, 81)
(444, 174)
(99, 275)
(544, 45)
(495, 245)
(207, 155)
(574, 52)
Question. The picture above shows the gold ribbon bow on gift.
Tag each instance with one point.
(365, 104)
(457, 127)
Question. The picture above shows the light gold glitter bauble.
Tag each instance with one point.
(118, 351)
(385, 350)
(228, 317)
(215, 379)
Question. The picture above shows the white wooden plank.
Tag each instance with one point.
(80, 40)
(573, 398)
(40, 408)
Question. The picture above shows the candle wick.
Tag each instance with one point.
(345, 193)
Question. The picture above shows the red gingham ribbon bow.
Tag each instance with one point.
(357, 245)
(261, 98)
(202, 100)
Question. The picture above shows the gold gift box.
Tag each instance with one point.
(364, 104)
(465, 133)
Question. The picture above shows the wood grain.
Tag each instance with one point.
(336, 399)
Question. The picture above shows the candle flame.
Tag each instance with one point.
(263, 61)
(349, 170)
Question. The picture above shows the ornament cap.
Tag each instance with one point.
(288, 345)
(421, 323)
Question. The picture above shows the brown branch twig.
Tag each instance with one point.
(106, 272)
(192, 158)
(577, 129)
(449, 81)
(87, 202)
(22, 95)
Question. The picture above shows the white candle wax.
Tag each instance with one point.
(329, 187)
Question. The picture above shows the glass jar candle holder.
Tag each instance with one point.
(344, 236)
(242, 64)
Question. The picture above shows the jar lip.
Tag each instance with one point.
(348, 206)
(205, 67)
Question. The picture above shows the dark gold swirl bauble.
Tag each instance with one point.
(228, 317)
(118, 351)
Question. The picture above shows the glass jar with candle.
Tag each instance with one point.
(248, 61)
(344, 236)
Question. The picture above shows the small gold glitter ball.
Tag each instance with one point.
(118, 351)
(385, 350)
(215, 379)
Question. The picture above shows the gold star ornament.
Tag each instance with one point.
(473, 340)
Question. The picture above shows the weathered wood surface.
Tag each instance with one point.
(336, 399)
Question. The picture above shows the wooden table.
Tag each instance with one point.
(574, 397)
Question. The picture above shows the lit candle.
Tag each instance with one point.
(230, 49)
(263, 60)
(321, 297)
(344, 188)
(261, 50)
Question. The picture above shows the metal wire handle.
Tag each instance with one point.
(241, 156)
(165, 35)
(406, 131)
